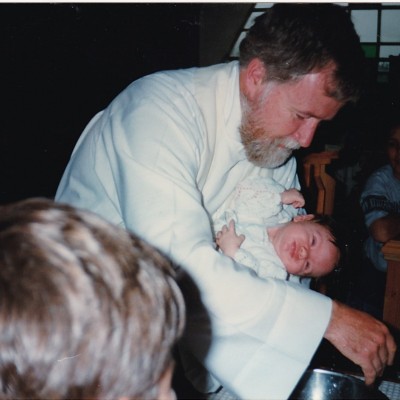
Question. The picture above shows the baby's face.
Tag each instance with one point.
(305, 248)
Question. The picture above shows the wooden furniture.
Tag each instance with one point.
(319, 185)
(391, 307)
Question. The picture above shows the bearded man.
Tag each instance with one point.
(167, 152)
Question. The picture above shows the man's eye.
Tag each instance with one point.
(298, 116)
(313, 241)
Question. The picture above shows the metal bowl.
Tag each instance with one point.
(319, 384)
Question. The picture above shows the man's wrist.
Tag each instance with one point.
(331, 328)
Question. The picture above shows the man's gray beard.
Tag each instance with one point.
(265, 152)
(268, 152)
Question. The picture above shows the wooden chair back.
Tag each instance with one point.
(319, 185)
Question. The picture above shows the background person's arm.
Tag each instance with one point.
(385, 228)
(378, 205)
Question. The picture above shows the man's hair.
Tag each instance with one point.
(87, 309)
(294, 39)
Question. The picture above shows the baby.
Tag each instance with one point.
(270, 240)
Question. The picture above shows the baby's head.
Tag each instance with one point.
(308, 245)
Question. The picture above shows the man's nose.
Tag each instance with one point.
(305, 134)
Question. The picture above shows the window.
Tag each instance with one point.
(377, 24)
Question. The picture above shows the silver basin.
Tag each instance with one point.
(319, 384)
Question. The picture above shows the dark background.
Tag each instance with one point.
(62, 63)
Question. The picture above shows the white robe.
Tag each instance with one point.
(160, 160)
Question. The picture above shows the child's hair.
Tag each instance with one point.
(337, 232)
(87, 309)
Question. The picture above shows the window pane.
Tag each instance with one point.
(235, 49)
(263, 5)
(366, 24)
(390, 30)
(386, 51)
(251, 19)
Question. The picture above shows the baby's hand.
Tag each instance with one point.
(293, 197)
(228, 241)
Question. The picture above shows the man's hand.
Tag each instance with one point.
(228, 241)
(361, 338)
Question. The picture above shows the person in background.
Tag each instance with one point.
(254, 228)
(87, 309)
(169, 150)
(380, 203)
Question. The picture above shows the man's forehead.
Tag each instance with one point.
(311, 95)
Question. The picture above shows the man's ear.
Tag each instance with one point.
(165, 391)
(306, 217)
(252, 78)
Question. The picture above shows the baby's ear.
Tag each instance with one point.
(306, 217)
